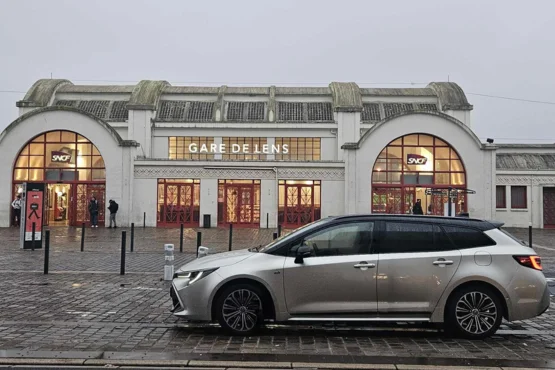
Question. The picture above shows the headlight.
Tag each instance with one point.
(193, 276)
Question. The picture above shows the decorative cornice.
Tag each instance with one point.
(149, 172)
(524, 180)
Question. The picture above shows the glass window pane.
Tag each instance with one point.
(53, 137)
(426, 140)
(25, 150)
(395, 152)
(456, 165)
(442, 165)
(36, 149)
(383, 154)
(83, 161)
(97, 162)
(20, 175)
(95, 150)
(442, 153)
(454, 154)
(457, 179)
(400, 237)
(394, 177)
(68, 175)
(98, 175)
(398, 141)
(82, 139)
(468, 238)
(442, 178)
(349, 239)
(36, 175)
(411, 140)
(379, 177)
(39, 139)
(22, 161)
(84, 175)
(68, 136)
(440, 142)
(84, 149)
(36, 161)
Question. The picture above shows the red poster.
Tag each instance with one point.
(33, 213)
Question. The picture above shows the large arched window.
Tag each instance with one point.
(73, 170)
(408, 168)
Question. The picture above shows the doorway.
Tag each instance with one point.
(549, 208)
(58, 205)
(239, 202)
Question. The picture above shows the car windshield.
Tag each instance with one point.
(293, 234)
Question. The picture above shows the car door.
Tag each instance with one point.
(339, 276)
(416, 263)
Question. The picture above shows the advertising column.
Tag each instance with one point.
(32, 214)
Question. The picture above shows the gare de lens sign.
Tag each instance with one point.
(239, 148)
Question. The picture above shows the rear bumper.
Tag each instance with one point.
(545, 302)
(529, 295)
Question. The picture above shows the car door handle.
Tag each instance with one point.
(364, 265)
(442, 262)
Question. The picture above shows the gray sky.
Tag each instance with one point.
(503, 48)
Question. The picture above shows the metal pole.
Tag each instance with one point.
(122, 266)
(83, 237)
(144, 220)
(275, 236)
(449, 202)
(199, 240)
(530, 235)
(33, 238)
(279, 230)
(46, 251)
(181, 239)
(267, 220)
(230, 235)
(132, 242)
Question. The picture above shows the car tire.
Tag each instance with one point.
(239, 309)
(473, 312)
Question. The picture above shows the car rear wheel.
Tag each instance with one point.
(239, 309)
(474, 312)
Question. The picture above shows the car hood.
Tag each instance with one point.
(217, 260)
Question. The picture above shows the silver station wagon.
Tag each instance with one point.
(467, 274)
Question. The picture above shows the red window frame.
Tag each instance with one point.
(501, 196)
(521, 203)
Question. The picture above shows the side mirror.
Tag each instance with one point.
(303, 252)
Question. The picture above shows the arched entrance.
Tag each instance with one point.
(409, 167)
(72, 169)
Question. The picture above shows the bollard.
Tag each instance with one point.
(132, 241)
(279, 230)
(181, 239)
(144, 220)
(83, 237)
(275, 236)
(530, 235)
(267, 220)
(168, 267)
(122, 266)
(46, 251)
(199, 240)
(33, 237)
(230, 235)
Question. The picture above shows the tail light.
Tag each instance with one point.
(534, 262)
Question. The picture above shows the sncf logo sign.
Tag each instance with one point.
(61, 157)
(416, 159)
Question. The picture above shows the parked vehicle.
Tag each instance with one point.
(465, 273)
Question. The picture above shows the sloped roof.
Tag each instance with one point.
(525, 161)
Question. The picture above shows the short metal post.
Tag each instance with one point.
(530, 235)
(132, 241)
(46, 251)
(122, 266)
(33, 237)
(169, 257)
(181, 239)
(279, 230)
(144, 220)
(267, 220)
(83, 237)
(199, 240)
(275, 236)
(230, 235)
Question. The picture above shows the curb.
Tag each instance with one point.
(223, 365)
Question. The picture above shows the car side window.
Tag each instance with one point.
(406, 237)
(464, 237)
(339, 240)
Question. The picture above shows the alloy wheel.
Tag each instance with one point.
(241, 310)
(476, 312)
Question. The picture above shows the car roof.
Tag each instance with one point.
(483, 225)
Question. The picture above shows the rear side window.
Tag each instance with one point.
(407, 237)
(464, 237)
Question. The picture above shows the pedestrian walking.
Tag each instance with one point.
(16, 205)
(113, 208)
(93, 210)
(417, 209)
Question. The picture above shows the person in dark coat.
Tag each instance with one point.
(93, 210)
(417, 208)
(113, 208)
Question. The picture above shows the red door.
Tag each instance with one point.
(82, 195)
(241, 204)
(549, 207)
(299, 204)
(178, 206)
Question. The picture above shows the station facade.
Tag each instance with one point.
(263, 156)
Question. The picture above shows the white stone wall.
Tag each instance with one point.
(17, 136)
(332, 194)
(209, 201)
(145, 201)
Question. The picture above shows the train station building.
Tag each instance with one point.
(263, 156)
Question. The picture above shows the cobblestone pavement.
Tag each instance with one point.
(76, 309)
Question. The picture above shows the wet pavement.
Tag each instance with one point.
(85, 305)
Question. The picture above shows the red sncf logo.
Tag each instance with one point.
(416, 159)
(60, 157)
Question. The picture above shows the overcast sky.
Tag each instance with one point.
(504, 48)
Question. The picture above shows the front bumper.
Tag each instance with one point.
(193, 302)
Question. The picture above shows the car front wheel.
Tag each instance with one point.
(474, 312)
(239, 309)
